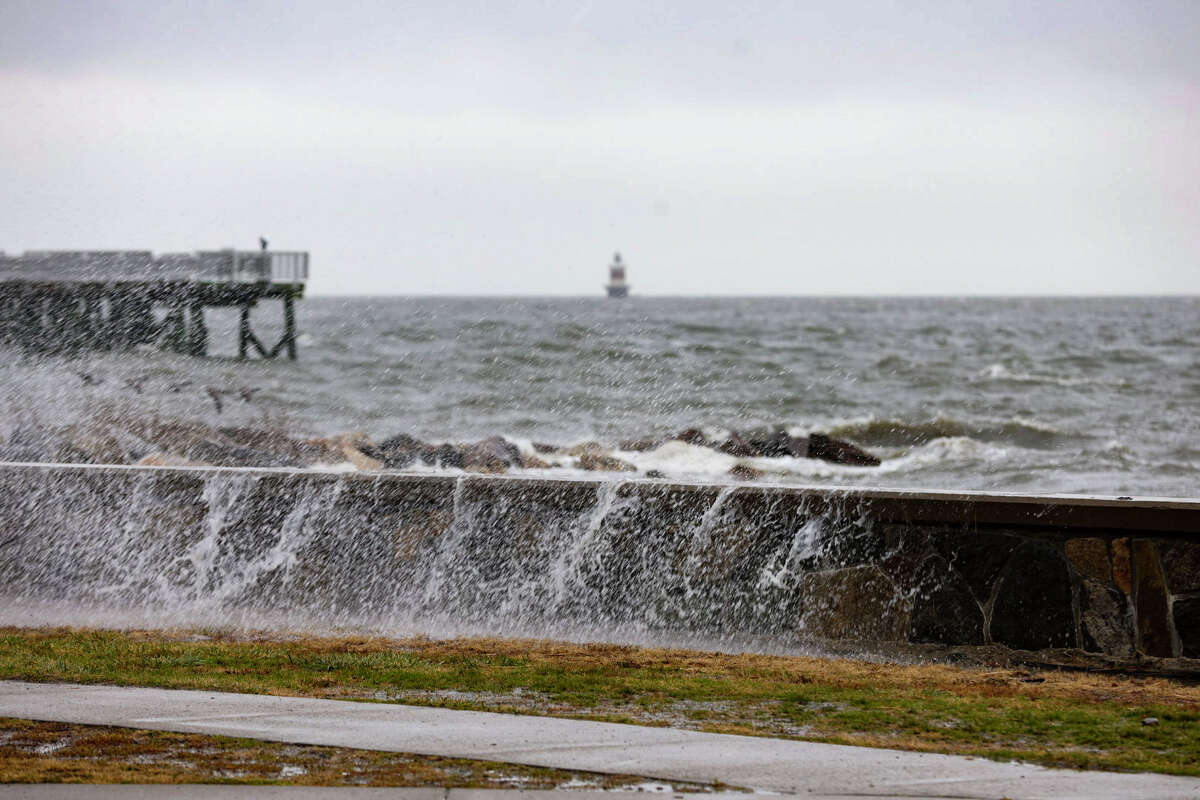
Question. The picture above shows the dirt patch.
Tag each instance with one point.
(51, 752)
(1057, 716)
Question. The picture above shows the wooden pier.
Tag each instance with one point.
(67, 301)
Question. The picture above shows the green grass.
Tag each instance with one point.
(1053, 718)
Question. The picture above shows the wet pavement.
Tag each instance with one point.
(752, 763)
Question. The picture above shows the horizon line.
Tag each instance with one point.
(829, 296)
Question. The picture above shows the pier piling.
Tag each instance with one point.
(67, 301)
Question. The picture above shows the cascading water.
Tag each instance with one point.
(200, 565)
(405, 554)
(569, 566)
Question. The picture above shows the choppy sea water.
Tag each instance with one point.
(1018, 394)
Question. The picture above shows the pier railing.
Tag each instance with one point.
(142, 266)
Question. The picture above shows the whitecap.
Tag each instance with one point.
(676, 457)
(999, 372)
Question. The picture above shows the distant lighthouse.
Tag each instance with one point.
(617, 287)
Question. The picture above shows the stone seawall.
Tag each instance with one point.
(531, 556)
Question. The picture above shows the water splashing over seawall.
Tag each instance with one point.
(319, 551)
(631, 560)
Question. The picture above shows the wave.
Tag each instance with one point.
(409, 333)
(680, 459)
(875, 432)
(1179, 461)
(554, 346)
(892, 363)
(165, 443)
(954, 449)
(999, 372)
(573, 332)
(696, 327)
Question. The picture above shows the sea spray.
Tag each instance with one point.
(514, 561)
(266, 576)
(224, 495)
(1039, 386)
(448, 548)
(581, 553)
(431, 554)
(697, 569)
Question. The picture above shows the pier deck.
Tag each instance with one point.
(67, 301)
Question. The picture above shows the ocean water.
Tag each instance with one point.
(1015, 394)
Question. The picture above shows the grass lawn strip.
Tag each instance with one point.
(1053, 718)
(53, 752)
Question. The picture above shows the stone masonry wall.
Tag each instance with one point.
(530, 556)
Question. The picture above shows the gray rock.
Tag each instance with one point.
(399, 451)
(494, 454)
(30, 444)
(600, 462)
(693, 436)
(779, 443)
(640, 445)
(443, 455)
(837, 451)
(737, 445)
(1105, 618)
(221, 454)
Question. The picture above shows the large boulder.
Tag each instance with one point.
(745, 472)
(347, 447)
(282, 446)
(601, 462)
(32, 444)
(737, 445)
(227, 454)
(443, 455)
(529, 461)
(837, 451)
(779, 443)
(492, 455)
(95, 446)
(399, 451)
(172, 436)
(640, 445)
(693, 436)
(585, 448)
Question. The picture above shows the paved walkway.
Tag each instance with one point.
(50, 791)
(749, 762)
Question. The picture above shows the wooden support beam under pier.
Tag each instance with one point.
(63, 302)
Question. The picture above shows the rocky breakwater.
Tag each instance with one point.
(771, 443)
(746, 455)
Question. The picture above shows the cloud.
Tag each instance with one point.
(764, 149)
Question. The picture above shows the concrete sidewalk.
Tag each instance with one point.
(741, 761)
(49, 791)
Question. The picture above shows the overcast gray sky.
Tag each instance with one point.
(724, 148)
